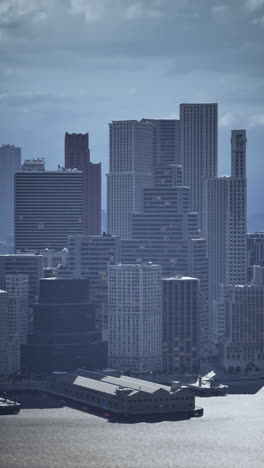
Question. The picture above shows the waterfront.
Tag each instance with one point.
(50, 435)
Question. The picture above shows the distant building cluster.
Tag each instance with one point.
(167, 276)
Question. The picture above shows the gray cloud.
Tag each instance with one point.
(76, 64)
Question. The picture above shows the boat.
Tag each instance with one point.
(206, 386)
(9, 406)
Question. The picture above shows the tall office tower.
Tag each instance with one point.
(241, 337)
(17, 288)
(77, 155)
(48, 208)
(168, 175)
(255, 251)
(64, 335)
(25, 264)
(134, 308)
(10, 163)
(3, 333)
(225, 222)
(166, 141)
(89, 257)
(130, 152)
(166, 215)
(180, 323)
(199, 147)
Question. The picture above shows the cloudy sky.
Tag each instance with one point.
(75, 65)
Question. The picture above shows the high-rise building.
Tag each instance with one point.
(180, 323)
(23, 264)
(240, 335)
(77, 155)
(3, 333)
(48, 208)
(17, 288)
(166, 232)
(225, 222)
(130, 170)
(64, 335)
(134, 308)
(171, 175)
(255, 251)
(165, 215)
(166, 141)
(89, 257)
(10, 163)
(199, 147)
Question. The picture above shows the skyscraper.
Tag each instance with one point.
(180, 323)
(89, 257)
(23, 264)
(199, 148)
(134, 308)
(77, 155)
(166, 141)
(17, 288)
(48, 208)
(130, 151)
(225, 221)
(10, 162)
(255, 251)
(3, 333)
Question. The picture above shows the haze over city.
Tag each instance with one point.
(131, 233)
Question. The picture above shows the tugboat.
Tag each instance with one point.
(9, 406)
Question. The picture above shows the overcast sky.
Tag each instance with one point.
(75, 65)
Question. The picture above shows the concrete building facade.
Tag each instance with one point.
(49, 206)
(10, 163)
(130, 170)
(3, 333)
(134, 314)
(17, 288)
(89, 257)
(199, 148)
(225, 222)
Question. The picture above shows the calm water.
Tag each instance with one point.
(231, 434)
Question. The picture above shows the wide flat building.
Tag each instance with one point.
(130, 170)
(10, 162)
(64, 332)
(49, 207)
(134, 317)
(77, 155)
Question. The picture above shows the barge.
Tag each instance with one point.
(126, 396)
